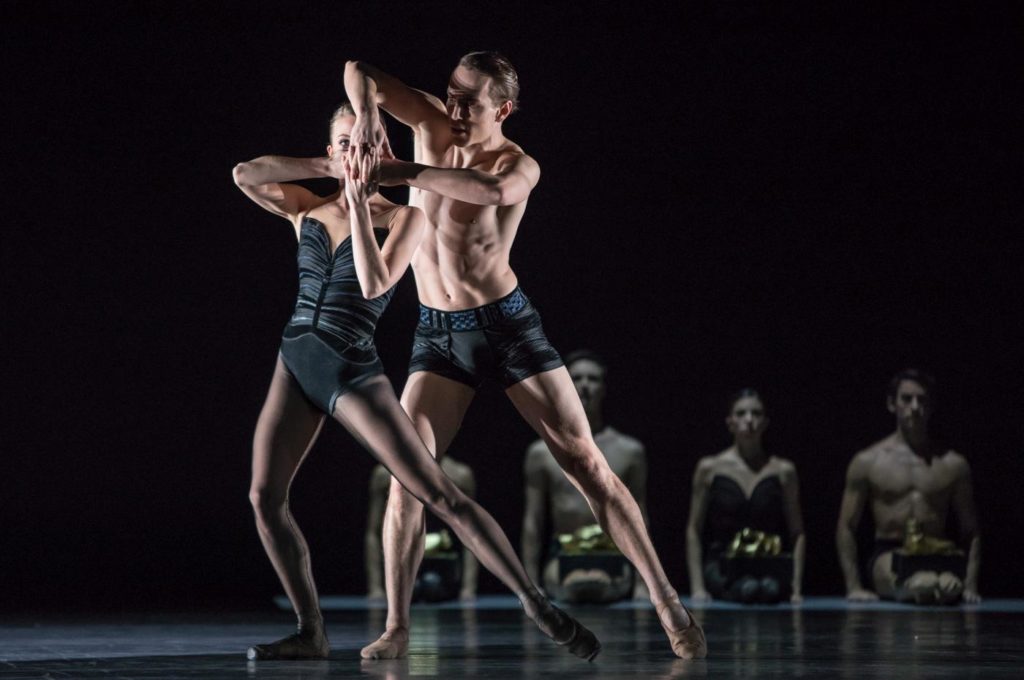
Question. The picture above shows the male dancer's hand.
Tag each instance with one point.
(367, 135)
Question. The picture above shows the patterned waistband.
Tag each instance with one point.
(476, 318)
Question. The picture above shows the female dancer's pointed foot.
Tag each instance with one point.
(564, 630)
(393, 644)
(687, 639)
(301, 645)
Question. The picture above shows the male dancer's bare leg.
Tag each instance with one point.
(373, 415)
(436, 406)
(286, 429)
(549, 403)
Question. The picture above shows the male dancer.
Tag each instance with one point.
(909, 477)
(547, 487)
(475, 322)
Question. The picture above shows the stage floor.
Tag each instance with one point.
(823, 639)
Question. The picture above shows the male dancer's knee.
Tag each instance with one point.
(586, 466)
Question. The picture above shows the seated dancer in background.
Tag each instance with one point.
(744, 511)
(476, 325)
(911, 482)
(608, 576)
(353, 247)
(437, 579)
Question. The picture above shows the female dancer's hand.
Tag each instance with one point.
(366, 137)
(358, 191)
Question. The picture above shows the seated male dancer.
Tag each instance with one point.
(475, 322)
(436, 586)
(909, 480)
(546, 487)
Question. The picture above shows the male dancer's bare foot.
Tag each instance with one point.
(685, 636)
(305, 644)
(393, 644)
(562, 628)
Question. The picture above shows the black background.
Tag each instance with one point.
(798, 197)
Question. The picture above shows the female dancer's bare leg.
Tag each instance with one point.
(286, 429)
(372, 414)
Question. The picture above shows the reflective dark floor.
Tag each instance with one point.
(822, 639)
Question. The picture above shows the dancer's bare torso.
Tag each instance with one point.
(904, 485)
(463, 259)
(569, 509)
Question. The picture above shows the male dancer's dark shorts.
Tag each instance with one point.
(502, 341)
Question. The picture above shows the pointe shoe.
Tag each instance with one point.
(688, 643)
(293, 647)
(551, 620)
(582, 643)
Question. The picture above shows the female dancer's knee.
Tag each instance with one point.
(268, 505)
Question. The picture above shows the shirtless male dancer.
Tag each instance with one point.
(908, 476)
(476, 323)
(547, 487)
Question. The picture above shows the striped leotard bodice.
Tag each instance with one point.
(330, 301)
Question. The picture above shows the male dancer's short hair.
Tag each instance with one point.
(586, 355)
(743, 394)
(504, 79)
(923, 379)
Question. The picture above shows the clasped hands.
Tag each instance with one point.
(368, 162)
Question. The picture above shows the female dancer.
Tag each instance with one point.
(353, 247)
(743, 487)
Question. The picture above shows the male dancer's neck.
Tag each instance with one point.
(917, 439)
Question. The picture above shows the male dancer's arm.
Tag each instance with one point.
(694, 529)
(367, 87)
(534, 510)
(380, 481)
(636, 482)
(511, 182)
(850, 512)
(795, 525)
(967, 519)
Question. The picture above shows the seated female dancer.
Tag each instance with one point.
(353, 247)
(743, 488)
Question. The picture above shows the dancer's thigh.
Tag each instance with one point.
(436, 406)
(373, 415)
(286, 429)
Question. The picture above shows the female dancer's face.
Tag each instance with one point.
(747, 419)
(341, 130)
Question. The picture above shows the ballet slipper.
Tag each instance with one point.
(296, 646)
(393, 644)
(687, 643)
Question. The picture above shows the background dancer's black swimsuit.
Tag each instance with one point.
(327, 345)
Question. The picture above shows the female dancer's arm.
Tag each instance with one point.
(379, 269)
(261, 179)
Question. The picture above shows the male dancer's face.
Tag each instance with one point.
(588, 377)
(911, 405)
(471, 113)
(747, 420)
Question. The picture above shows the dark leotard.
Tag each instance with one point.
(729, 511)
(327, 345)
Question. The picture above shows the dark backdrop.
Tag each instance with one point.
(793, 197)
